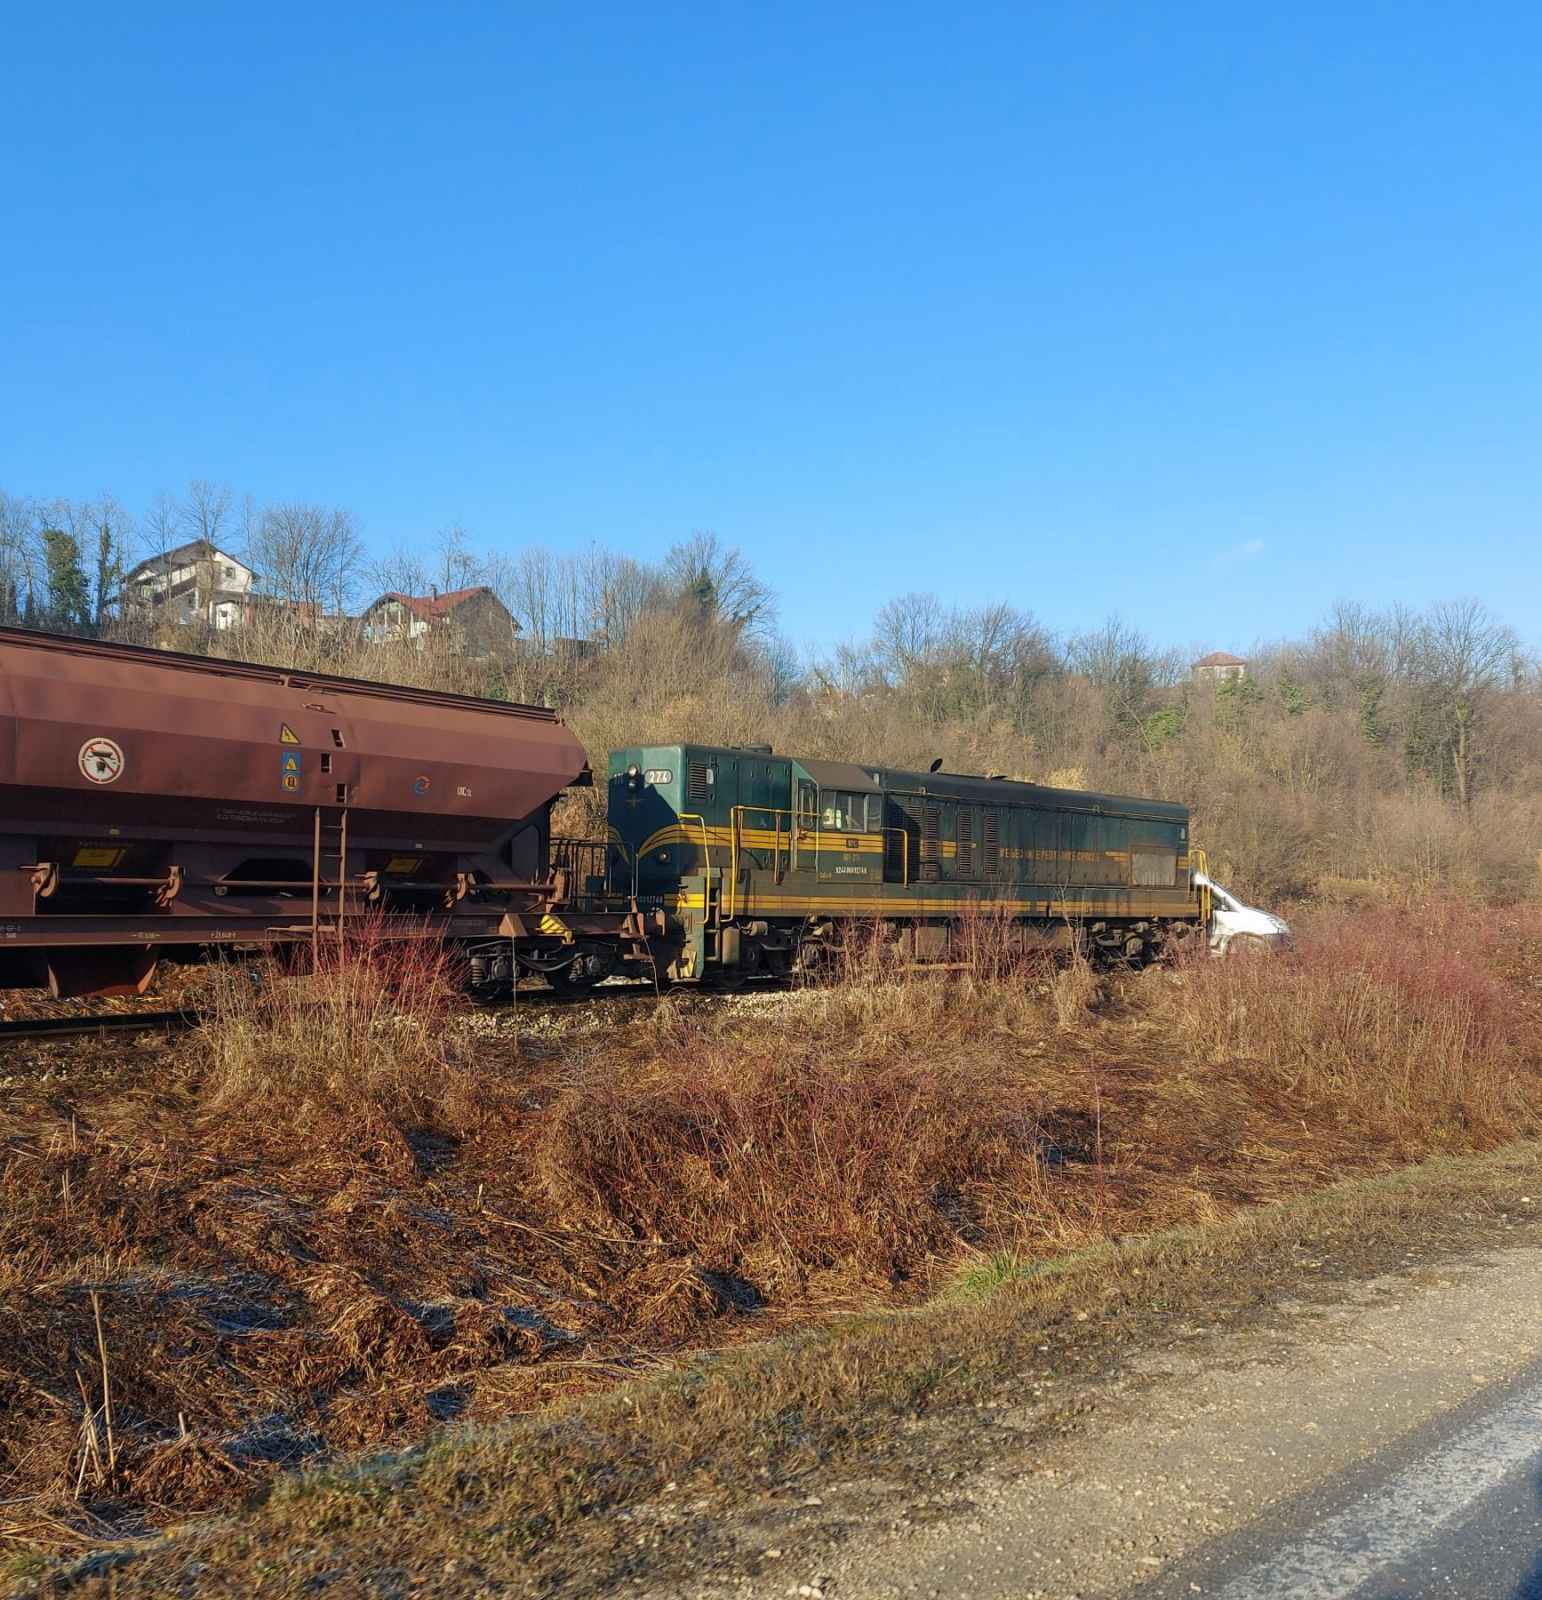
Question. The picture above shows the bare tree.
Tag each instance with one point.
(400, 572)
(718, 582)
(530, 589)
(1127, 671)
(1462, 654)
(205, 511)
(614, 591)
(850, 673)
(457, 566)
(544, 593)
(908, 633)
(114, 536)
(160, 529)
(308, 556)
(19, 553)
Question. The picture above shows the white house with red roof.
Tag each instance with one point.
(479, 619)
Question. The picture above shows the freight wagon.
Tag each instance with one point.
(154, 806)
(759, 861)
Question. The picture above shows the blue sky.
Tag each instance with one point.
(1206, 314)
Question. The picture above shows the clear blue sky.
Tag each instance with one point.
(1205, 313)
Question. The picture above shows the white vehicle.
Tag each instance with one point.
(1238, 929)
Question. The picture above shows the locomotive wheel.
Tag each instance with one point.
(816, 961)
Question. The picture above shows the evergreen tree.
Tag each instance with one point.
(69, 596)
(109, 570)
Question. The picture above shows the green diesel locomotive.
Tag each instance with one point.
(749, 861)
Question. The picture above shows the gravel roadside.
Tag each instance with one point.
(1186, 1447)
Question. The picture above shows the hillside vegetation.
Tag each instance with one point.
(1383, 756)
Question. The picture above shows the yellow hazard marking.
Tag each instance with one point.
(551, 924)
(287, 735)
(99, 856)
(291, 782)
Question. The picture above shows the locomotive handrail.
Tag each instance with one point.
(735, 833)
(706, 877)
(735, 824)
(706, 842)
(735, 828)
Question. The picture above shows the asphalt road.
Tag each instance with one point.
(1388, 1445)
(1452, 1510)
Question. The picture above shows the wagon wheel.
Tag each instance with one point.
(591, 964)
(567, 980)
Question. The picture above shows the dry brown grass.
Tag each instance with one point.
(637, 1483)
(344, 1213)
(367, 1026)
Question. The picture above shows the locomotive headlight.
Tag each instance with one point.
(634, 776)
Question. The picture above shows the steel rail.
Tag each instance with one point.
(104, 1023)
(119, 1022)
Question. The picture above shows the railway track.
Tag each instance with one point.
(24, 1028)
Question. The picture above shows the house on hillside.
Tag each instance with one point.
(478, 619)
(572, 651)
(195, 583)
(1218, 667)
(308, 614)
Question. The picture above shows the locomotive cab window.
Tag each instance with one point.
(844, 813)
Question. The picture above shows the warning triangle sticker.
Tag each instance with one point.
(287, 735)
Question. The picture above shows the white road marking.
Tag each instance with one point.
(1389, 1524)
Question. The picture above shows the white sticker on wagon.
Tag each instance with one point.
(101, 760)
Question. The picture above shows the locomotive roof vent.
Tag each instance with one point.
(755, 749)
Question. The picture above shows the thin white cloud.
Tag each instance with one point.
(1243, 551)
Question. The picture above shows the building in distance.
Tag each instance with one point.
(1218, 667)
(195, 583)
(480, 620)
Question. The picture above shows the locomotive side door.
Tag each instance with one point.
(805, 824)
(901, 839)
(850, 841)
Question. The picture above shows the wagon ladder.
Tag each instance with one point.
(330, 844)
